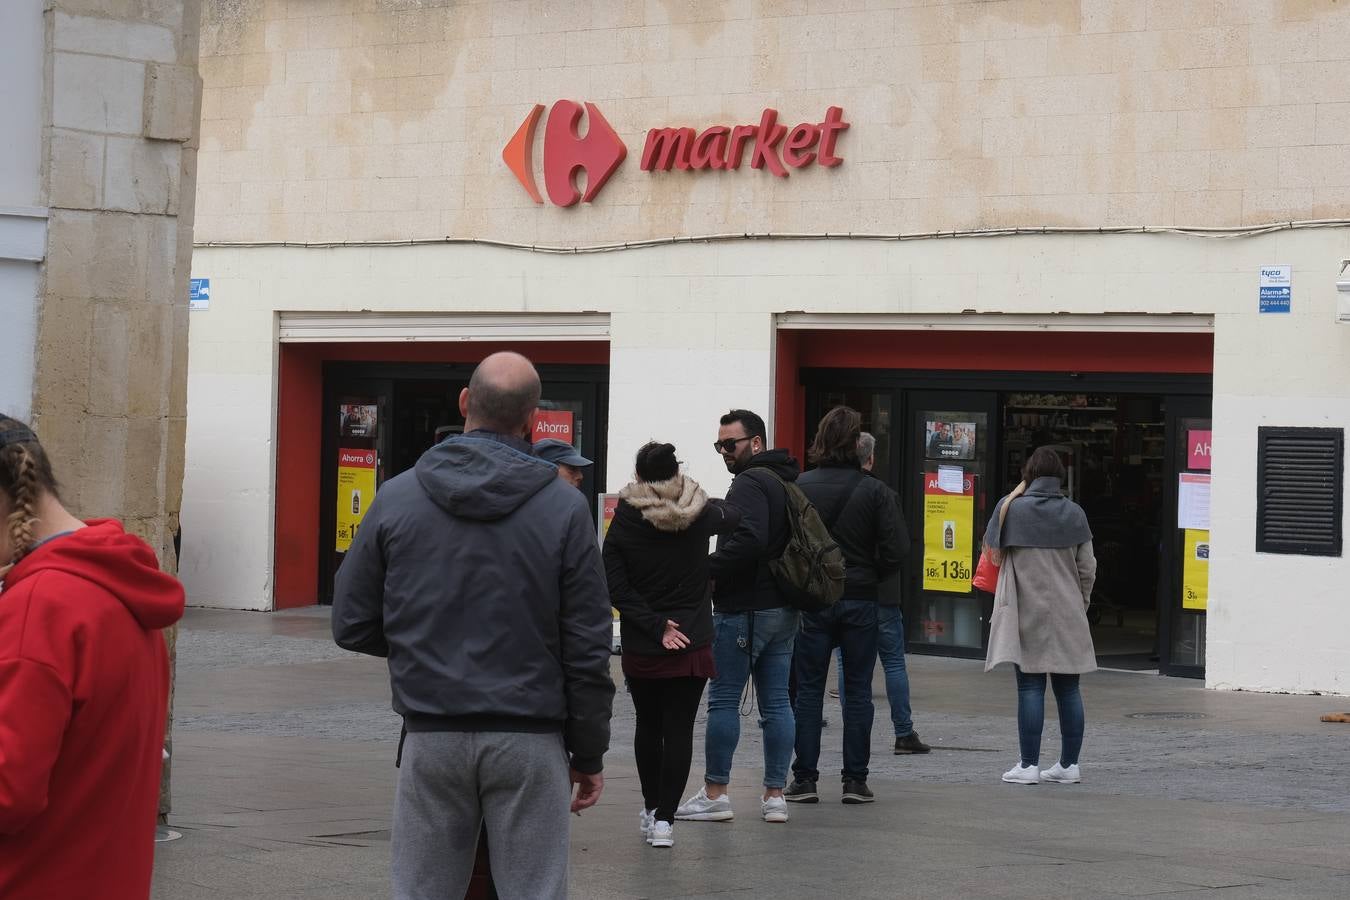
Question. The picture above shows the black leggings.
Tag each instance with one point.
(664, 739)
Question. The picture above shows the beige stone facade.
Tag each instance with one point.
(119, 179)
(119, 120)
(349, 120)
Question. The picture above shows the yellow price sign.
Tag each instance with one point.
(948, 534)
(355, 493)
(1195, 570)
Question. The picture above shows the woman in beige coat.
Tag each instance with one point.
(1040, 612)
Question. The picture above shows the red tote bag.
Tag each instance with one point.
(991, 558)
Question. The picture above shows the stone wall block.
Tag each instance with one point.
(112, 37)
(149, 361)
(75, 170)
(95, 93)
(110, 360)
(145, 448)
(61, 382)
(172, 102)
(165, 282)
(70, 239)
(142, 176)
(104, 465)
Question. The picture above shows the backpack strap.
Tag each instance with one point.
(829, 526)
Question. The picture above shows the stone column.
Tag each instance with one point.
(119, 176)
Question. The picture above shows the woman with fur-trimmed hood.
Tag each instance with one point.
(656, 562)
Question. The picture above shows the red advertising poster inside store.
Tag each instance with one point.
(553, 423)
(609, 505)
(1198, 449)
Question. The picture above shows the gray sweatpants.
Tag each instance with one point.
(514, 785)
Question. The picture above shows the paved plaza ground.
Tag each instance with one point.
(284, 781)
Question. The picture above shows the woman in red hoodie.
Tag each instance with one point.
(84, 681)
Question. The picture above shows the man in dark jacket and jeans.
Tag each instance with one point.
(865, 521)
(753, 628)
(477, 574)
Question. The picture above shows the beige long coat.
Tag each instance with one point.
(1040, 610)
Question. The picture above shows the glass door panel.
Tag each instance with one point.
(953, 469)
(356, 460)
(877, 408)
(1185, 587)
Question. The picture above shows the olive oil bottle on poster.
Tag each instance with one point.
(948, 530)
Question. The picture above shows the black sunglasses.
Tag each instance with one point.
(729, 444)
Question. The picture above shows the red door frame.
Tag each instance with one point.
(977, 351)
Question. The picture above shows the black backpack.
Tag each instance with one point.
(810, 572)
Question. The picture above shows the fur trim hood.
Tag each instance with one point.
(672, 505)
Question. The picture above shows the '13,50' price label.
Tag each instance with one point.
(948, 570)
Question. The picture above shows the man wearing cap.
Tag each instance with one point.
(570, 463)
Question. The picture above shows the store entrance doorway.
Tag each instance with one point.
(952, 452)
(379, 418)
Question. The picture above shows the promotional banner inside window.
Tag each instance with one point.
(355, 492)
(948, 530)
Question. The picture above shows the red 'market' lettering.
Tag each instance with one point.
(829, 133)
(766, 142)
(710, 149)
(803, 137)
(721, 147)
(667, 147)
(739, 135)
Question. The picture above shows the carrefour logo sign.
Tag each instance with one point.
(766, 145)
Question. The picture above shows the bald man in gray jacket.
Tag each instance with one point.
(478, 576)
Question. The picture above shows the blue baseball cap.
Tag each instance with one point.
(560, 453)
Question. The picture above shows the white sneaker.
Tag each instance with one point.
(773, 809)
(646, 819)
(702, 808)
(1020, 774)
(663, 835)
(1062, 774)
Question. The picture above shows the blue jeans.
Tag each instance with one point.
(1031, 716)
(851, 625)
(891, 652)
(755, 644)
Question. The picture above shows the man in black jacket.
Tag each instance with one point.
(477, 574)
(865, 521)
(753, 628)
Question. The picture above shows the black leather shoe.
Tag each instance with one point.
(857, 792)
(801, 791)
(910, 743)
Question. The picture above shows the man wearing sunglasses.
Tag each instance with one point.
(753, 627)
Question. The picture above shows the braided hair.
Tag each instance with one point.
(25, 475)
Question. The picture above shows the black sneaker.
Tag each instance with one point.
(801, 791)
(857, 792)
(910, 743)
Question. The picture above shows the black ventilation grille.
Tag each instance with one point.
(1299, 480)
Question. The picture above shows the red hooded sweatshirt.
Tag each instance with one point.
(84, 681)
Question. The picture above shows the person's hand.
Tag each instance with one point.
(674, 639)
(588, 791)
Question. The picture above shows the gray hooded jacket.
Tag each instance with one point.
(477, 574)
